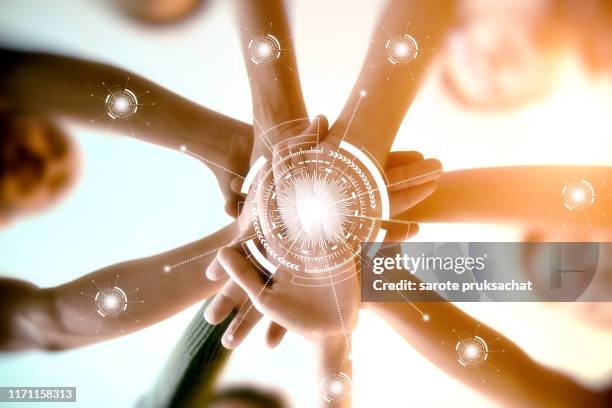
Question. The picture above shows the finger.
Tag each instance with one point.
(400, 232)
(236, 186)
(403, 200)
(215, 271)
(241, 325)
(275, 334)
(241, 271)
(408, 175)
(401, 157)
(230, 208)
(229, 298)
(319, 127)
(396, 232)
(412, 231)
(232, 205)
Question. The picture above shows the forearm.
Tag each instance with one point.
(529, 196)
(61, 86)
(19, 303)
(511, 385)
(275, 86)
(390, 89)
(334, 365)
(153, 291)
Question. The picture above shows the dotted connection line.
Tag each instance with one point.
(168, 268)
(348, 126)
(346, 340)
(394, 220)
(342, 325)
(415, 178)
(264, 134)
(186, 150)
(362, 94)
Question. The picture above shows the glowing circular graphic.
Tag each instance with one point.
(264, 49)
(402, 49)
(313, 207)
(111, 302)
(121, 104)
(578, 196)
(472, 351)
(336, 387)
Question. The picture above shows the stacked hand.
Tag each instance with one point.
(330, 308)
(310, 234)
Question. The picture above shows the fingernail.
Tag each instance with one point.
(208, 317)
(227, 341)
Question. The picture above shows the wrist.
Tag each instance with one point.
(335, 371)
(223, 140)
(266, 138)
(240, 144)
(278, 108)
(333, 345)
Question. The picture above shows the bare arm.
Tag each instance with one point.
(271, 64)
(391, 88)
(68, 315)
(529, 196)
(520, 381)
(61, 86)
(335, 372)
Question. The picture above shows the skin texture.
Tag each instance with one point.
(505, 188)
(526, 196)
(50, 318)
(31, 324)
(277, 97)
(44, 85)
(542, 387)
(61, 317)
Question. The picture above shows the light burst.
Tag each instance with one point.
(314, 210)
(121, 105)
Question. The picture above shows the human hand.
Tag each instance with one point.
(411, 179)
(306, 310)
(235, 165)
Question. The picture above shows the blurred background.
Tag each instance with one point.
(135, 199)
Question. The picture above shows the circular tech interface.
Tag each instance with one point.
(111, 302)
(313, 208)
(264, 49)
(578, 195)
(472, 351)
(121, 104)
(336, 387)
(402, 49)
